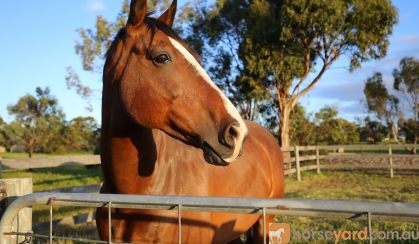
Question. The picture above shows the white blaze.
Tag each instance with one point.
(231, 110)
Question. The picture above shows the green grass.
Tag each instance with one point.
(354, 185)
(52, 178)
(351, 185)
(341, 185)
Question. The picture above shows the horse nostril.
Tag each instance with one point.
(230, 134)
(233, 132)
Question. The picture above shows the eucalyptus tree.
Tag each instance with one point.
(279, 50)
(383, 104)
(406, 82)
(38, 119)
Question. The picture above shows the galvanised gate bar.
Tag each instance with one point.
(300, 207)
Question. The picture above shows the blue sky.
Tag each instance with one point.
(37, 44)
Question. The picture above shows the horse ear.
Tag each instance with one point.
(137, 12)
(169, 15)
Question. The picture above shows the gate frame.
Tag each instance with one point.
(261, 206)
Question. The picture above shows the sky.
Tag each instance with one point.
(37, 41)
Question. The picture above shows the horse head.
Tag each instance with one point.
(161, 85)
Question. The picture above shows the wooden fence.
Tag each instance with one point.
(327, 153)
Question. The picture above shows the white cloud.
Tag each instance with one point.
(412, 39)
(95, 5)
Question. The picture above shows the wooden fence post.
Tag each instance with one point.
(318, 159)
(390, 160)
(10, 189)
(297, 162)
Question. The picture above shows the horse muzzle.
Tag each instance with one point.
(229, 146)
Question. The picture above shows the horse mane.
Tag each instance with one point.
(153, 24)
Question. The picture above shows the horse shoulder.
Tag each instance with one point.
(266, 149)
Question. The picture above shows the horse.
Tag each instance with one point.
(167, 129)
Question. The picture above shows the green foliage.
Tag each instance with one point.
(270, 47)
(372, 131)
(409, 129)
(386, 106)
(383, 104)
(95, 41)
(302, 130)
(325, 128)
(38, 119)
(379, 100)
(334, 131)
(40, 126)
(82, 133)
(2, 134)
(406, 81)
(262, 52)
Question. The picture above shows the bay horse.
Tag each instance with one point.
(167, 129)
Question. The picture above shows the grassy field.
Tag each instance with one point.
(45, 179)
(343, 185)
(52, 178)
(351, 185)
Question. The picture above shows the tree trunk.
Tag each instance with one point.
(30, 148)
(284, 119)
(254, 110)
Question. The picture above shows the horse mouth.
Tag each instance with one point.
(212, 157)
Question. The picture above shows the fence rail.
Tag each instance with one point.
(259, 206)
(297, 159)
(355, 146)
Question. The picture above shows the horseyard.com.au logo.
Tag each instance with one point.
(280, 233)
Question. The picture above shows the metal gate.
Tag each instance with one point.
(262, 206)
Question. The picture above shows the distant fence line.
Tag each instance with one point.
(296, 159)
(293, 162)
(338, 152)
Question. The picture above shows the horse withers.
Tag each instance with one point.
(167, 129)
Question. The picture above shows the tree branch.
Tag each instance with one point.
(306, 71)
(294, 99)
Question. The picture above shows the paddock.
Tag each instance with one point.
(366, 212)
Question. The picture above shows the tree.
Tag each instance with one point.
(6, 135)
(406, 81)
(372, 131)
(82, 134)
(409, 128)
(38, 118)
(2, 132)
(383, 104)
(332, 130)
(275, 45)
(302, 130)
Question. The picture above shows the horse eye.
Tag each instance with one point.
(162, 58)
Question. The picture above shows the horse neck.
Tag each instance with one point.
(128, 151)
